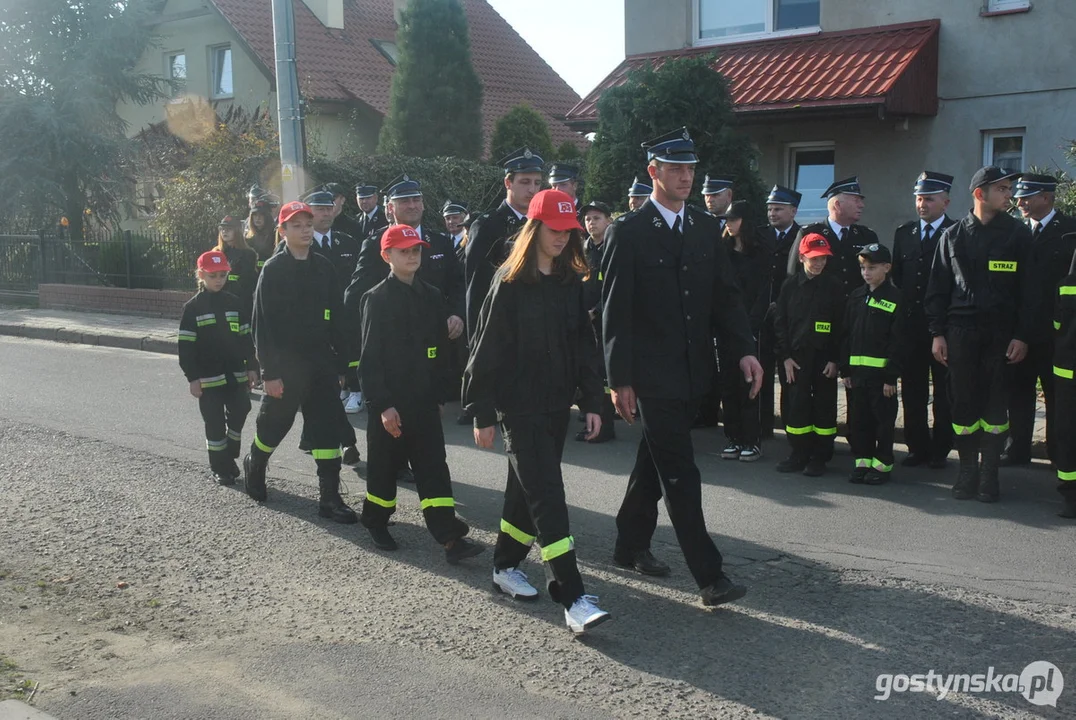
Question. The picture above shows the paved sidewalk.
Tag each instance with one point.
(121, 331)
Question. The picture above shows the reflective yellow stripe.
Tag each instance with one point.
(262, 446)
(353, 364)
(1067, 290)
(216, 445)
(799, 430)
(438, 502)
(1002, 266)
(233, 435)
(260, 264)
(1062, 372)
(600, 276)
(327, 314)
(558, 548)
(515, 533)
(966, 429)
(215, 381)
(381, 501)
(325, 454)
(825, 431)
(188, 335)
(233, 278)
(822, 327)
(881, 466)
(209, 321)
(993, 429)
(431, 353)
(1057, 325)
(1066, 476)
(863, 462)
(886, 305)
(867, 361)
(234, 327)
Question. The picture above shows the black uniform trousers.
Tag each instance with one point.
(534, 504)
(1065, 436)
(768, 359)
(709, 413)
(607, 411)
(316, 392)
(665, 467)
(872, 418)
(422, 442)
(740, 411)
(1037, 367)
(978, 379)
(224, 410)
(922, 376)
(809, 408)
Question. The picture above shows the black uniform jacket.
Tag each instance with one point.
(214, 340)
(781, 252)
(405, 356)
(1065, 325)
(533, 347)
(592, 286)
(374, 223)
(349, 226)
(982, 273)
(753, 270)
(486, 249)
(664, 299)
(808, 318)
(1051, 252)
(343, 253)
(297, 316)
(874, 334)
(844, 264)
(912, 260)
(243, 276)
(264, 245)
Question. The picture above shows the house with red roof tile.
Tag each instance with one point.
(881, 89)
(222, 53)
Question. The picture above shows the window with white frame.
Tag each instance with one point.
(717, 19)
(1004, 148)
(176, 69)
(810, 172)
(1003, 5)
(220, 68)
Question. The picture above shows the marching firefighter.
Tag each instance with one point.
(1064, 371)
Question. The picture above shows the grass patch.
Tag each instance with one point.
(12, 682)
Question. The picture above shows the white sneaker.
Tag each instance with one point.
(584, 614)
(344, 395)
(513, 581)
(731, 452)
(354, 403)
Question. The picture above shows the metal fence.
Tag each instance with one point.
(115, 259)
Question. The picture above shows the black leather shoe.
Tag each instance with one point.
(815, 468)
(224, 477)
(351, 456)
(254, 479)
(857, 476)
(722, 591)
(875, 478)
(462, 549)
(382, 539)
(914, 460)
(641, 561)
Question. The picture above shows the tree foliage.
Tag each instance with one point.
(436, 102)
(682, 92)
(64, 66)
(522, 125)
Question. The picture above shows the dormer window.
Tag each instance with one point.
(718, 20)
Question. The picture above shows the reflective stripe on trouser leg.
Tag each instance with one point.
(234, 434)
(881, 466)
(382, 502)
(217, 445)
(967, 429)
(558, 548)
(863, 463)
(993, 429)
(516, 534)
(262, 446)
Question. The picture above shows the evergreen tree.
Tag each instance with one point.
(683, 92)
(436, 102)
(568, 150)
(521, 126)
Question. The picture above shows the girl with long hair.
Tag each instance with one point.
(533, 348)
(243, 275)
(260, 233)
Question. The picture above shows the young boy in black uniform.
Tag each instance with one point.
(1065, 388)
(597, 217)
(217, 356)
(871, 364)
(807, 328)
(404, 370)
(299, 337)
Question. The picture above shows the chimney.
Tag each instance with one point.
(398, 6)
(329, 12)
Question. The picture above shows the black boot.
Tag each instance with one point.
(967, 482)
(234, 450)
(222, 468)
(331, 505)
(988, 471)
(254, 466)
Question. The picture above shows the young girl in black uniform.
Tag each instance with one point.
(216, 353)
(533, 347)
(260, 232)
(244, 261)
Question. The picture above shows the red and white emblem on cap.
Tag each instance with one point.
(564, 207)
(216, 259)
(408, 232)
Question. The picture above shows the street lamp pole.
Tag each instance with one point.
(289, 114)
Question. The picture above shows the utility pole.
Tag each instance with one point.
(289, 116)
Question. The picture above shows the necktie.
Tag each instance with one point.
(1037, 231)
(676, 225)
(780, 238)
(926, 234)
(844, 234)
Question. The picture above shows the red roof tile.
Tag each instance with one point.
(345, 66)
(893, 66)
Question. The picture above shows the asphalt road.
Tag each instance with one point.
(846, 582)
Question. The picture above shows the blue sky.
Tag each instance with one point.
(583, 40)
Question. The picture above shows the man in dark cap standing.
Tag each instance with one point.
(981, 307)
(371, 216)
(914, 247)
(717, 194)
(638, 193)
(454, 213)
(667, 283)
(1050, 249)
(565, 177)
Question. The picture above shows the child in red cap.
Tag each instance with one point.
(806, 325)
(405, 370)
(217, 356)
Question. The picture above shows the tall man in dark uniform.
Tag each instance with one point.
(1051, 251)
(638, 193)
(980, 306)
(371, 217)
(454, 213)
(780, 234)
(667, 282)
(914, 246)
(717, 194)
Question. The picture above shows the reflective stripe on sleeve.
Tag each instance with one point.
(188, 335)
(560, 547)
(215, 381)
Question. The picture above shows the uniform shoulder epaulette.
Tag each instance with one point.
(699, 210)
(910, 223)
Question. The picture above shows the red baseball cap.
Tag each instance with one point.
(290, 210)
(401, 236)
(555, 209)
(814, 245)
(213, 261)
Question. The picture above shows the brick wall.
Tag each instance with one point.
(150, 303)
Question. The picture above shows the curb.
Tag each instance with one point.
(65, 335)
